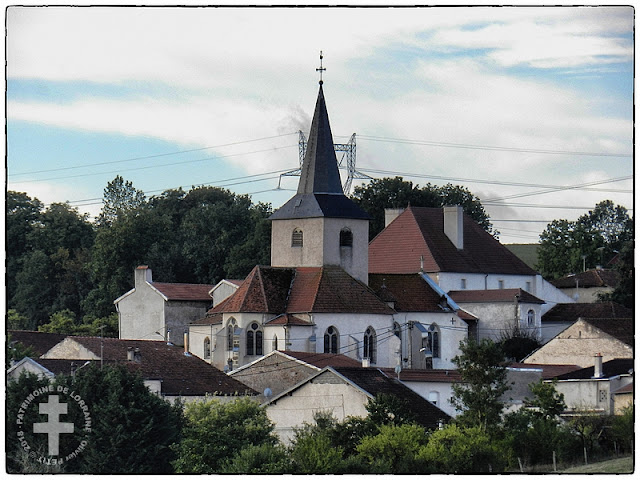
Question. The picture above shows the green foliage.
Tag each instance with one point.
(387, 409)
(624, 293)
(17, 321)
(259, 459)
(484, 381)
(459, 450)
(394, 449)
(596, 235)
(547, 403)
(16, 351)
(313, 452)
(215, 431)
(383, 193)
(120, 198)
(622, 429)
(35, 290)
(65, 322)
(517, 343)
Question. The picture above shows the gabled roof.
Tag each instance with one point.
(279, 290)
(409, 292)
(320, 189)
(288, 319)
(619, 328)
(180, 374)
(184, 291)
(494, 296)
(570, 312)
(589, 279)
(419, 232)
(40, 342)
(612, 368)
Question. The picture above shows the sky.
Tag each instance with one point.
(530, 108)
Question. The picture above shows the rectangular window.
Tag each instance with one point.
(501, 284)
(528, 287)
(463, 283)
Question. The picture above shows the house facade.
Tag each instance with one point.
(587, 286)
(160, 311)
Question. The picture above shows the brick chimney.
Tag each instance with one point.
(453, 225)
(142, 275)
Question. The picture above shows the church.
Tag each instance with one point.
(317, 295)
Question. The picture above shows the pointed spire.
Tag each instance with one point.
(320, 167)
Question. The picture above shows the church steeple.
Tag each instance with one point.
(320, 166)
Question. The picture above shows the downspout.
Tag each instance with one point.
(516, 316)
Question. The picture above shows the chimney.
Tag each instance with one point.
(142, 275)
(186, 342)
(130, 354)
(366, 363)
(453, 225)
(597, 370)
(390, 214)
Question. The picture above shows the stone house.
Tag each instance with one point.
(612, 338)
(160, 311)
(344, 392)
(459, 256)
(563, 315)
(585, 287)
(593, 389)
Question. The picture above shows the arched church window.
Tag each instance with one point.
(254, 339)
(231, 336)
(370, 345)
(331, 340)
(531, 318)
(207, 347)
(297, 239)
(433, 340)
(346, 238)
(274, 343)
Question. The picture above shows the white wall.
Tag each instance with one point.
(141, 314)
(428, 389)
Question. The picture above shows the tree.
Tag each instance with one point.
(484, 381)
(16, 351)
(569, 247)
(516, 343)
(394, 449)
(35, 291)
(383, 193)
(265, 459)
(215, 431)
(456, 449)
(120, 198)
(624, 293)
(547, 403)
(388, 409)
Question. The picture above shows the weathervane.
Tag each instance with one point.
(321, 69)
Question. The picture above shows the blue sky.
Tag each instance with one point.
(506, 101)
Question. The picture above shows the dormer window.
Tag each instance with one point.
(297, 238)
(346, 238)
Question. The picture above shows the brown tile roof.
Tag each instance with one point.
(375, 382)
(411, 375)
(549, 371)
(626, 389)
(180, 374)
(570, 312)
(419, 231)
(40, 342)
(287, 319)
(59, 366)
(322, 360)
(466, 316)
(184, 291)
(411, 292)
(618, 366)
(302, 290)
(211, 318)
(493, 296)
(619, 328)
(590, 278)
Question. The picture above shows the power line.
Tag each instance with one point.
(493, 147)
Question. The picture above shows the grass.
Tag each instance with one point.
(617, 465)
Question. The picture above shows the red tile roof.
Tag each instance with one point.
(419, 231)
(409, 292)
(590, 278)
(493, 296)
(184, 291)
(278, 290)
(322, 360)
(287, 319)
(40, 342)
(181, 374)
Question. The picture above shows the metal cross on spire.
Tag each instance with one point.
(321, 69)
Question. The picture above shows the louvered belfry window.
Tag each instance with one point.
(297, 238)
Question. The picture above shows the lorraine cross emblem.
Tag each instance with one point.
(53, 427)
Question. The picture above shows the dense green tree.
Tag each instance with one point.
(383, 193)
(16, 351)
(547, 402)
(312, 452)
(16, 320)
(484, 380)
(624, 293)
(265, 459)
(395, 449)
(517, 343)
(120, 198)
(34, 288)
(459, 450)
(570, 247)
(622, 429)
(213, 432)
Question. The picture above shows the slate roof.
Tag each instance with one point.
(40, 342)
(375, 382)
(322, 360)
(570, 312)
(181, 374)
(589, 279)
(409, 292)
(493, 296)
(184, 291)
(549, 371)
(279, 290)
(416, 375)
(618, 366)
(419, 231)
